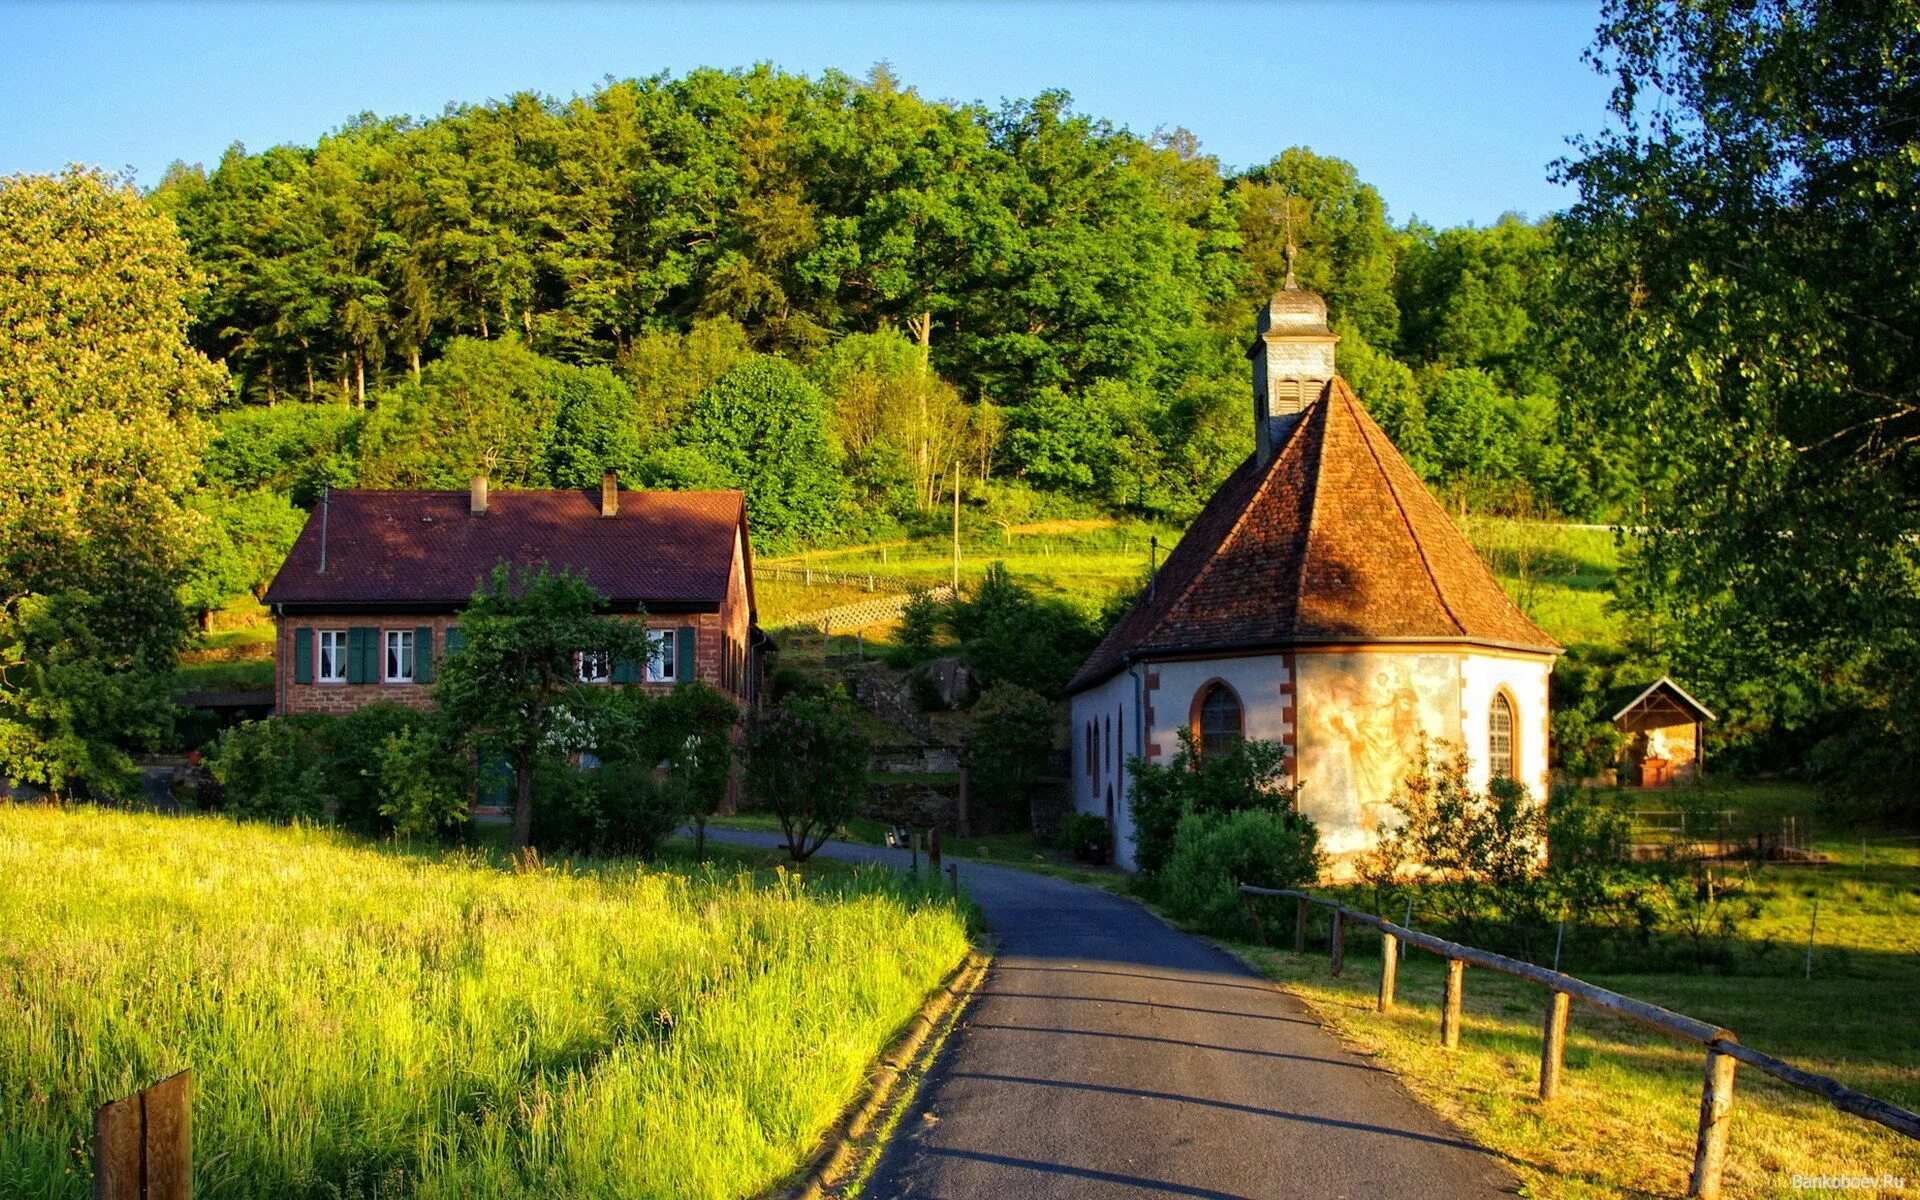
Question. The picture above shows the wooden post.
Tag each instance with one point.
(1716, 1111)
(1300, 927)
(1253, 914)
(143, 1145)
(1450, 1004)
(933, 849)
(1553, 1044)
(1338, 936)
(1389, 965)
(914, 863)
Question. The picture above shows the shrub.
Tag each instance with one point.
(1086, 836)
(1252, 775)
(806, 763)
(352, 764)
(638, 808)
(1214, 853)
(272, 770)
(419, 795)
(919, 631)
(1006, 632)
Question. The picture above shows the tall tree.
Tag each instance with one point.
(100, 428)
(513, 687)
(1741, 254)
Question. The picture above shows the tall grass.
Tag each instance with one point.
(365, 1022)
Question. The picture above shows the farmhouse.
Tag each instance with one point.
(1324, 600)
(367, 602)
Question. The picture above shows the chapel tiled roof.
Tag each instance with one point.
(1333, 539)
(426, 549)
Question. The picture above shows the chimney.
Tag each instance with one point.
(477, 502)
(609, 494)
(1292, 355)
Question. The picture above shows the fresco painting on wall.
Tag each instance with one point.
(1362, 717)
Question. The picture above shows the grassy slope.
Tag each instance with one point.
(361, 1019)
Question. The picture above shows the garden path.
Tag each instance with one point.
(1110, 1055)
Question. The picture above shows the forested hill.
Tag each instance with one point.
(1052, 306)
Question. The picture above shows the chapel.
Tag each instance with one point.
(1322, 599)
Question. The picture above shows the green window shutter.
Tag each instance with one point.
(625, 670)
(363, 655)
(303, 656)
(423, 654)
(683, 652)
(456, 639)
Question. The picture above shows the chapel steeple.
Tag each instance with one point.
(1292, 355)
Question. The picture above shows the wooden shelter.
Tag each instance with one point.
(1664, 728)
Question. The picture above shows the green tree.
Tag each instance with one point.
(1339, 224)
(482, 406)
(100, 428)
(765, 429)
(1010, 739)
(1467, 417)
(1738, 257)
(806, 763)
(593, 429)
(513, 688)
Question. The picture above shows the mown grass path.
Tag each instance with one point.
(1110, 1055)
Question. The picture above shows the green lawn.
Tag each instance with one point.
(1624, 1124)
(365, 1021)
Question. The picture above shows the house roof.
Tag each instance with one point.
(1675, 693)
(426, 549)
(1333, 539)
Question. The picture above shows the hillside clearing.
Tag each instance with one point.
(364, 1021)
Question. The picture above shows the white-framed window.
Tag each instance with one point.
(596, 666)
(1500, 737)
(662, 657)
(399, 656)
(331, 666)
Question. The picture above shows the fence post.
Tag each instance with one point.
(1389, 964)
(1553, 1044)
(143, 1145)
(1300, 927)
(1450, 1005)
(1339, 938)
(1716, 1111)
(1253, 914)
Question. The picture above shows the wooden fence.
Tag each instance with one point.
(815, 576)
(1724, 1051)
(143, 1145)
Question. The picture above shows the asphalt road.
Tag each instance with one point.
(1110, 1055)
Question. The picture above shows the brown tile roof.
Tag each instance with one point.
(1334, 539)
(424, 549)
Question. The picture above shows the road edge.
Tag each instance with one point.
(852, 1147)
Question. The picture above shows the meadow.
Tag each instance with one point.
(366, 1021)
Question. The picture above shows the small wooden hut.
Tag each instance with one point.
(1665, 730)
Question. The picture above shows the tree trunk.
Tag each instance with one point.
(413, 361)
(360, 379)
(522, 802)
(700, 838)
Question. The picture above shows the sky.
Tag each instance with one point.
(1452, 110)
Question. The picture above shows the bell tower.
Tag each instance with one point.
(1292, 356)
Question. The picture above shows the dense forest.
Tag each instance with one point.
(1027, 300)
(851, 301)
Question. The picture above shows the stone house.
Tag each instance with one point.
(367, 603)
(1324, 600)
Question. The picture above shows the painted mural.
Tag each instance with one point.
(1360, 721)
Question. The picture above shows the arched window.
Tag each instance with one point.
(1220, 722)
(1500, 737)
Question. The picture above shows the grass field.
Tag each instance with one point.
(1624, 1124)
(363, 1021)
(1561, 576)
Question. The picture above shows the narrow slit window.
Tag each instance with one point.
(1500, 738)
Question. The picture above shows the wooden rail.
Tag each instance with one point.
(1723, 1049)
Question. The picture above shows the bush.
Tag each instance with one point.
(638, 808)
(1250, 776)
(419, 796)
(351, 767)
(1006, 632)
(919, 631)
(272, 770)
(1214, 853)
(1086, 836)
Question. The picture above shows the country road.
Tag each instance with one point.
(1110, 1055)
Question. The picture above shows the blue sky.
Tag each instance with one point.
(1453, 110)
